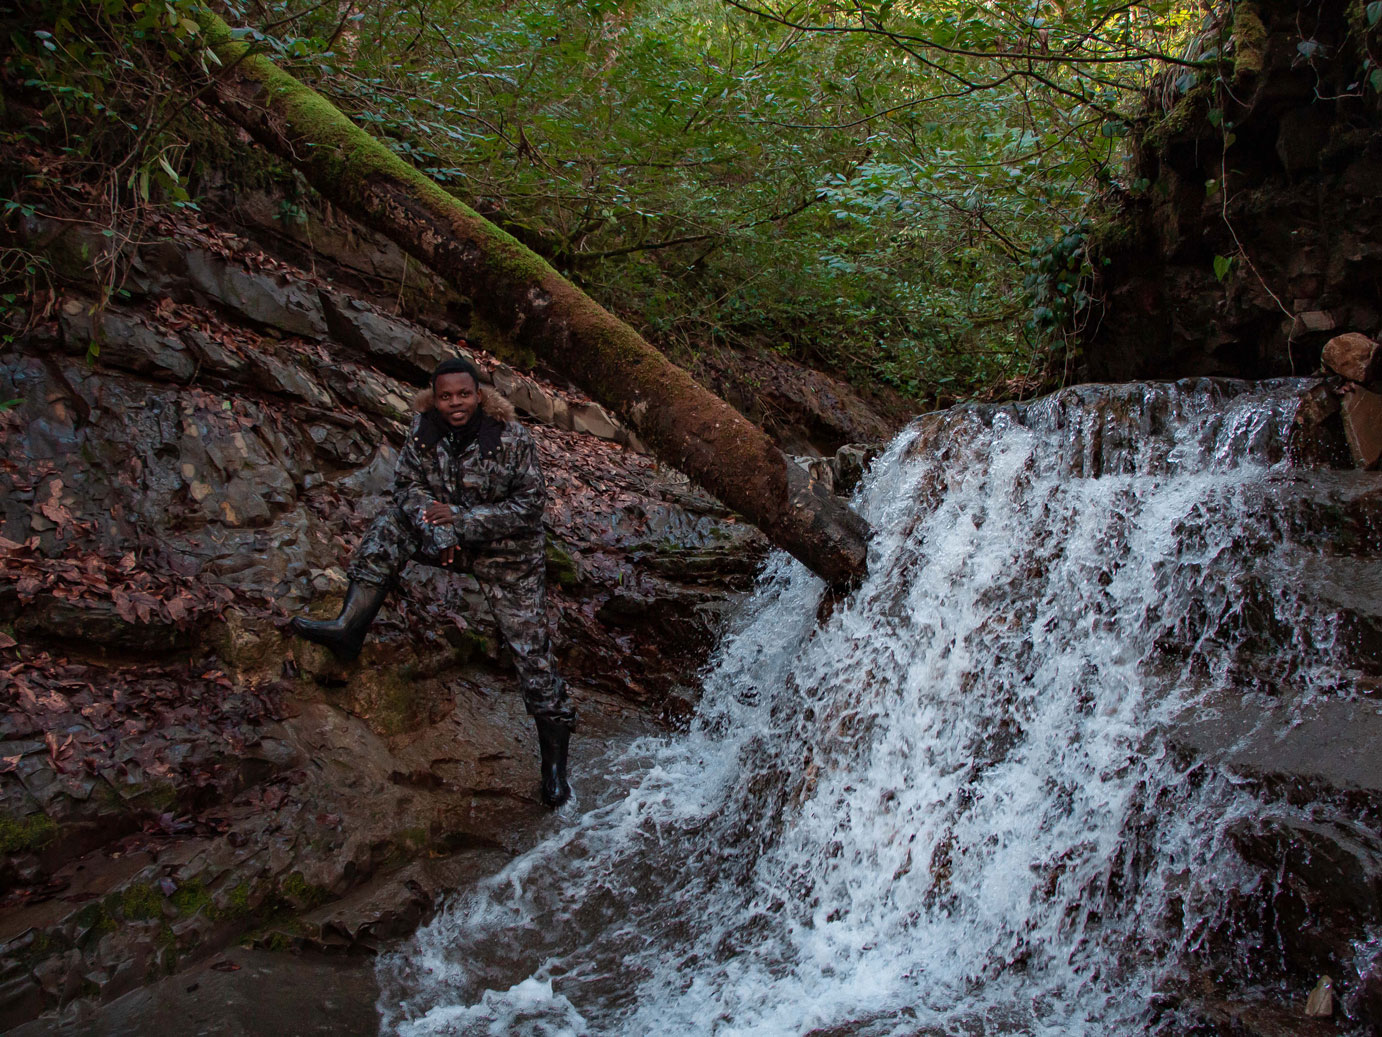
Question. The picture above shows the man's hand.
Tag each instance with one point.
(448, 555)
(439, 514)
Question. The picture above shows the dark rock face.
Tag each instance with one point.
(807, 412)
(1277, 171)
(184, 470)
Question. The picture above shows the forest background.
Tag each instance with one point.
(897, 193)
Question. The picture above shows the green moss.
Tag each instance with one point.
(139, 901)
(216, 147)
(1115, 234)
(467, 643)
(301, 894)
(1249, 41)
(96, 918)
(27, 833)
(42, 946)
(406, 844)
(1189, 117)
(237, 902)
(275, 941)
(561, 567)
(396, 707)
(190, 898)
(159, 797)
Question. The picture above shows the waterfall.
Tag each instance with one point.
(951, 807)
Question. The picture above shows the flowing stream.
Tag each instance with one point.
(951, 807)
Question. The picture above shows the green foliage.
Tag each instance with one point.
(90, 68)
(850, 197)
(858, 187)
(1058, 279)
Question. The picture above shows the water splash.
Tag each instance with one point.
(951, 808)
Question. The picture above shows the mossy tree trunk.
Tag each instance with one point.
(684, 424)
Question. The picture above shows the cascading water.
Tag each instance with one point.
(951, 806)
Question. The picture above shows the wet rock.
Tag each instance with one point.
(261, 299)
(122, 340)
(98, 624)
(1324, 747)
(1317, 438)
(396, 904)
(214, 356)
(372, 479)
(231, 995)
(820, 471)
(276, 376)
(1260, 1019)
(1365, 1000)
(21, 998)
(530, 399)
(808, 412)
(1303, 209)
(1354, 356)
(1337, 866)
(342, 446)
(372, 392)
(849, 464)
(1362, 414)
(400, 349)
(240, 504)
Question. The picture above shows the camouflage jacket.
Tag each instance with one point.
(494, 485)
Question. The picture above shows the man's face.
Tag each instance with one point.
(456, 397)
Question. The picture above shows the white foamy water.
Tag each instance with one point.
(951, 807)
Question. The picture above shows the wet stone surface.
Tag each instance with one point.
(176, 776)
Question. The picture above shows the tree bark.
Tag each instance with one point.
(684, 424)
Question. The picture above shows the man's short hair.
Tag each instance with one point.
(456, 365)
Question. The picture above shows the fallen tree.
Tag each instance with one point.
(684, 424)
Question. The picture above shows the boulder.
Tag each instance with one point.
(849, 464)
(1354, 356)
(1362, 412)
(594, 420)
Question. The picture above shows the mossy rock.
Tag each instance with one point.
(561, 566)
(1249, 41)
(246, 648)
(1189, 118)
(21, 835)
(302, 895)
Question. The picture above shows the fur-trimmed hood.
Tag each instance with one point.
(491, 403)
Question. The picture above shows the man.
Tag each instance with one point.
(468, 493)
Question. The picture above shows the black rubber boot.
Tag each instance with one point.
(553, 738)
(345, 635)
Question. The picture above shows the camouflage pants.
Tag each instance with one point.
(514, 584)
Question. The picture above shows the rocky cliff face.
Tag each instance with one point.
(199, 427)
(1253, 232)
